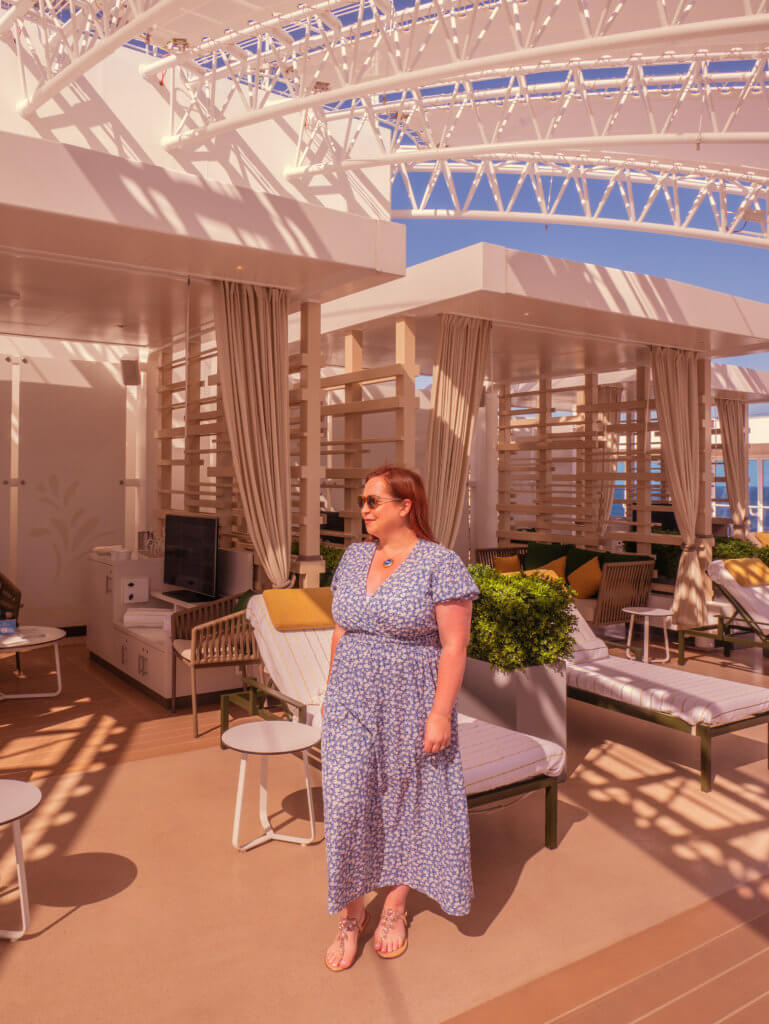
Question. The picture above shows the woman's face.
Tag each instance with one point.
(389, 514)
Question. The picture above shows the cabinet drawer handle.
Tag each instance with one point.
(141, 665)
(108, 583)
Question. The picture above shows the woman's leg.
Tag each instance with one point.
(342, 955)
(391, 932)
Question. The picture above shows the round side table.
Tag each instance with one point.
(25, 638)
(268, 739)
(646, 613)
(18, 799)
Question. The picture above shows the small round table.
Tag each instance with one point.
(17, 799)
(267, 739)
(646, 613)
(25, 639)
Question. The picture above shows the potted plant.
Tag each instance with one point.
(521, 632)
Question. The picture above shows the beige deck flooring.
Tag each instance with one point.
(655, 906)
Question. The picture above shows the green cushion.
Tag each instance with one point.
(575, 557)
(243, 600)
(538, 554)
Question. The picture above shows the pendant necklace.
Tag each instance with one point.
(387, 561)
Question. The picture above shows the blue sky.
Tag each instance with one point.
(735, 269)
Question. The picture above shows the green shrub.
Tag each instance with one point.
(332, 557)
(520, 621)
(731, 547)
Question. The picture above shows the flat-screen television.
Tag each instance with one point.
(189, 558)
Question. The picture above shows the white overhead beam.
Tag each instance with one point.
(511, 59)
(653, 227)
(101, 49)
(9, 18)
(605, 143)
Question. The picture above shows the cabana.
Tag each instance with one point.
(583, 379)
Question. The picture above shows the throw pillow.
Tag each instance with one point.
(507, 563)
(556, 569)
(748, 572)
(587, 579)
(538, 554)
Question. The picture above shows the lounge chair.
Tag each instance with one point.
(497, 762)
(702, 705)
(744, 622)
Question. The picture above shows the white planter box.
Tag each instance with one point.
(532, 700)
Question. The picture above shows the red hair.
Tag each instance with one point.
(405, 483)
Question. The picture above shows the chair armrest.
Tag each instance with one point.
(183, 623)
(272, 691)
(227, 638)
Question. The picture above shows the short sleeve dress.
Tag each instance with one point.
(393, 814)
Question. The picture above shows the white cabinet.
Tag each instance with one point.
(100, 635)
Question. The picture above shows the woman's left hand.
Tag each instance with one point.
(437, 733)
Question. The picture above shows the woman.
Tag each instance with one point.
(393, 789)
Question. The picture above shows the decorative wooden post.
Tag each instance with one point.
(309, 563)
(544, 488)
(704, 530)
(405, 390)
(643, 465)
(353, 435)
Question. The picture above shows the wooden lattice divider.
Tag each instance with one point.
(554, 464)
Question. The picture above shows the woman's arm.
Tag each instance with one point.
(335, 638)
(453, 618)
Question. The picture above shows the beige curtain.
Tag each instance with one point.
(607, 393)
(252, 347)
(457, 388)
(678, 413)
(733, 420)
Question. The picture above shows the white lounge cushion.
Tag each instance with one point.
(493, 756)
(755, 600)
(183, 649)
(297, 661)
(588, 647)
(692, 698)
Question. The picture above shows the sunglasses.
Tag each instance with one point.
(373, 501)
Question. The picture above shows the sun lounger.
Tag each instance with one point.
(745, 621)
(702, 705)
(497, 762)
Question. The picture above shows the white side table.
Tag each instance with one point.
(647, 614)
(25, 638)
(17, 799)
(268, 739)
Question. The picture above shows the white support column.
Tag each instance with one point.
(405, 355)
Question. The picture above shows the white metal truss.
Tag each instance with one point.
(59, 40)
(714, 99)
(331, 53)
(608, 191)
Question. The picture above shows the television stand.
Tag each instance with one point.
(188, 596)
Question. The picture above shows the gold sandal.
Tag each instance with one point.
(388, 918)
(348, 924)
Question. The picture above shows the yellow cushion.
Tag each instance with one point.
(300, 609)
(748, 572)
(557, 566)
(543, 571)
(507, 563)
(762, 538)
(586, 580)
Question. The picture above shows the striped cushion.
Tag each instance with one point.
(692, 698)
(494, 757)
(297, 661)
(587, 646)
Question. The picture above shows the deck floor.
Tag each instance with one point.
(654, 908)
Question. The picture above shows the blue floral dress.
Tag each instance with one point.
(393, 814)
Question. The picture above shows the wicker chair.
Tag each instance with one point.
(211, 636)
(10, 604)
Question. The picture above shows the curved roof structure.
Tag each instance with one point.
(618, 113)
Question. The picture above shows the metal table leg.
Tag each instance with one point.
(21, 874)
(48, 693)
(269, 832)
